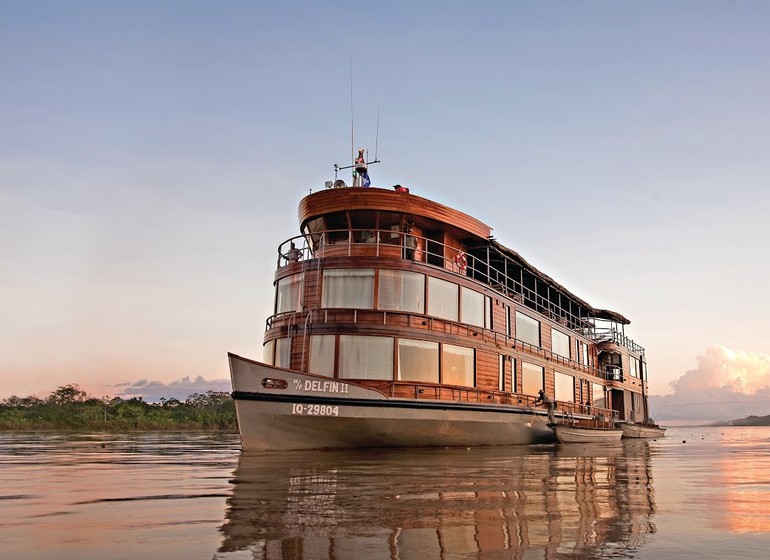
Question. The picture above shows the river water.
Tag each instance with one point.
(697, 493)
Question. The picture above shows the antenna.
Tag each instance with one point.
(377, 136)
(352, 143)
(337, 167)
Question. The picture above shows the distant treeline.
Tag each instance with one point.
(748, 421)
(70, 408)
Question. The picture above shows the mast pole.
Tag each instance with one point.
(352, 143)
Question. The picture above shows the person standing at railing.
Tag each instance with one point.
(410, 243)
(294, 254)
(542, 398)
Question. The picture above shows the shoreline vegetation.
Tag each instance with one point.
(748, 421)
(71, 408)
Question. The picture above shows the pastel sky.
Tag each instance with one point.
(152, 155)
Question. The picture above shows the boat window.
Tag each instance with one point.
(442, 299)
(472, 307)
(322, 354)
(634, 369)
(489, 308)
(598, 398)
(366, 357)
(400, 290)
(268, 352)
(337, 227)
(282, 353)
(434, 248)
(364, 226)
(417, 360)
(507, 321)
(514, 384)
(313, 231)
(531, 378)
(391, 221)
(348, 288)
(527, 329)
(457, 365)
(565, 387)
(287, 294)
(500, 372)
(584, 355)
(560, 343)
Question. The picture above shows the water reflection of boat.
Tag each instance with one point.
(515, 502)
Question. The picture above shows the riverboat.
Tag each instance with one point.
(399, 321)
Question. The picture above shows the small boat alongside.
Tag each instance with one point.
(642, 431)
(566, 433)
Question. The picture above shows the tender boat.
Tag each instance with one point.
(645, 431)
(399, 321)
(566, 433)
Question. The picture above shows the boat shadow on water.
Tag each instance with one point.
(544, 501)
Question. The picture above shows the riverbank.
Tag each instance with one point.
(71, 409)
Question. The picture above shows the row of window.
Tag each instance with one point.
(400, 290)
(373, 357)
(528, 330)
(397, 290)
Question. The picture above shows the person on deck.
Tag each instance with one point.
(361, 173)
(294, 254)
(410, 243)
(542, 398)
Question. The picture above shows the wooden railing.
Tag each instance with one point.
(419, 321)
(373, 242)
(565, 410)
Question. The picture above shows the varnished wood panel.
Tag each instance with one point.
(487, 365)
(352, 198)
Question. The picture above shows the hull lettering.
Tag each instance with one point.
(315, 409)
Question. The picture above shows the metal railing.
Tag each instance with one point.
(350, 242)
(428, 391)
(413, 320)
(613, 336)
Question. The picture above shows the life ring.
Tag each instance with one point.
(462, 262)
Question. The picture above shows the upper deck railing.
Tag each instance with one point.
(371, 242)
(426, 322)
(613, 336)
(584, 414)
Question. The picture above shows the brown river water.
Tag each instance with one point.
(697, 493)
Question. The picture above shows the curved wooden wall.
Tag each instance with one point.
(358, 198)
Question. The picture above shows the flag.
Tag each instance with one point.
(365, 182)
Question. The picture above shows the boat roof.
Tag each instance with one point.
(605, 314)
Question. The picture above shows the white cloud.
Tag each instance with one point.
(152, 391)
(726, 385)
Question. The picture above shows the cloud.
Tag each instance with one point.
(726, 385)
(152, 391)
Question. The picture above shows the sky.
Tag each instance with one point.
(152, 155)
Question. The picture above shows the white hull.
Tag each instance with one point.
(573, 434)
(642, 431)
(285, 409)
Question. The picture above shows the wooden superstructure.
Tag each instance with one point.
(390, 291)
